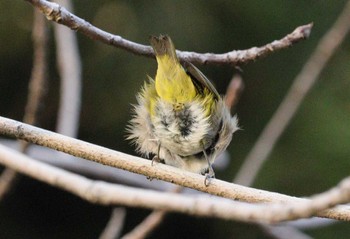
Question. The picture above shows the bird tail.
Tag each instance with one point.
(163, 45)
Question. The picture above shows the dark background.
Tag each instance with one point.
(312, 155)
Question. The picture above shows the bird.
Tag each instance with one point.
(180, 119)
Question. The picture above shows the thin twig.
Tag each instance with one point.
(146, 226)
(55, 12)
(310, 223)
(36, 91)
(7, 179)
(234, 91)
(115, 224)
(150, 223)
(290, 104)
(69, 65)
(99, 192)
(278, 231)
(37, 83)
(272, 132)
(284, 232)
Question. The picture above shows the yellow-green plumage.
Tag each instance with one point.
(180, 118)
(172, 83)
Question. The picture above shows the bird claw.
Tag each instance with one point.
(155, 159)
(209, 177)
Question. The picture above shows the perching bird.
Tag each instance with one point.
(180, 118)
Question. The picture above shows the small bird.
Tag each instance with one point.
(180, 118)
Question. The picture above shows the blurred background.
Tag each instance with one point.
(312, 155)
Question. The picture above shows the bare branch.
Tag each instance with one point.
(115, 224)
(110, 194)
(69, 66)
(302, 84)
(89, 168)
(284, 232)
(276, 231)
(7, 179)
(234, 91)
(37, 83)
(146, 226)
(310, 223)
(123, 161)
(151, 222)
(104, 193)
(290, 104)
(59, 14)
(36, 91)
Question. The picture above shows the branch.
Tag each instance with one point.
(36, 92)
(88, 168)
(37, 84)
(275, 231)
(69, 66)
(283, 232)
(234, 91)
(290, 104)
(123, 161)
(106, 193)
(301, 86)
(7, 180)
(55, 12)
(205, 206)
(146, 226)
(151, 222)
(115, 224)
(310, 223)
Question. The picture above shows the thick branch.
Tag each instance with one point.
(59, 14)
(167, 173)
(127, 162)
(111, 194)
